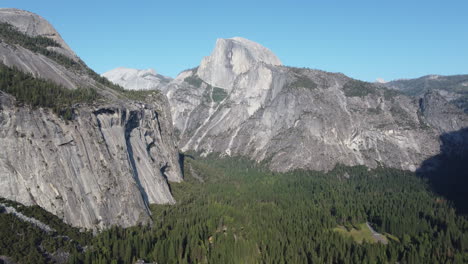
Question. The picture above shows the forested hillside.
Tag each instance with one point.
(242, 213)
(232, 211)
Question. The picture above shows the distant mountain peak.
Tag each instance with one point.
(135, 79)
(380, 80)
(232, 57)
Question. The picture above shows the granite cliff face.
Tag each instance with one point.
(442, 114)
(133, 79)
(116, 155)
(231, 58)
(102, 167)
(248, 104)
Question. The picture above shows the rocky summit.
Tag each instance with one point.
(231, 58)
(104, 156)
(34, 25)
(133, 79)
(241, 101)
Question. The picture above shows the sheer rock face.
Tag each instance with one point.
(441, 114)
(34, 25)
(296, 118)
(102, 168)
(231, 58)
(133, 79)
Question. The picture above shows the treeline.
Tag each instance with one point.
(11, 35)
(40, 44)
(38, 92)
(245, 214)
(25, 243)
(37, 44)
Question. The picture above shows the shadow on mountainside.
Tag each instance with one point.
(447, 172)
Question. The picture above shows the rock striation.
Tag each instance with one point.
(39, 65)
(133, 79)
(117, 155)
(34, 25)
(101, 168)
(289, 118)
(441, 114)
(231, 58)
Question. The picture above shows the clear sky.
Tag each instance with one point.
(363, 39)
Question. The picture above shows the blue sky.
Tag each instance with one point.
(362, 39)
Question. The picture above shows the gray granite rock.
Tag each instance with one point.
(231, 58)
(293, 118)
(102, 168)
(133, 79)
(34, 25)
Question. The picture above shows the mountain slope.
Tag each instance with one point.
(34, 25)
(99, 165)
(133, 79)
(453, 88)
(295, 118)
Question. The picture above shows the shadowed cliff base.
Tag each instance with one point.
(447, 172)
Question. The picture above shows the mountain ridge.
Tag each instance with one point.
(232, 120)
(454, 88)
(136, 79)
(119, 153)
(100, 166)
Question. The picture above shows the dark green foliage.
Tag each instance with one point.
(453, 84)
(243, 213)
(374, 111)
(403, 119)
(9, 34)
(194, 80)
(356, 88)
(42, 93)
(303, 82)
(218, 94)
(390, 94)
(419, 86)
(211, 93)
(39, 44)
(447, 170)
(462, 102)
(26, 243)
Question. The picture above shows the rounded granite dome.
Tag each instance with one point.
(232, 57)
(34, 25)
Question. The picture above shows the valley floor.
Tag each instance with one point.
(230, 210)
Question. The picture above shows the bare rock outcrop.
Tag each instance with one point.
(103, 168)
(293, 118)
(133, 79)
(231, 58)
(34, 25)
(105, 165)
